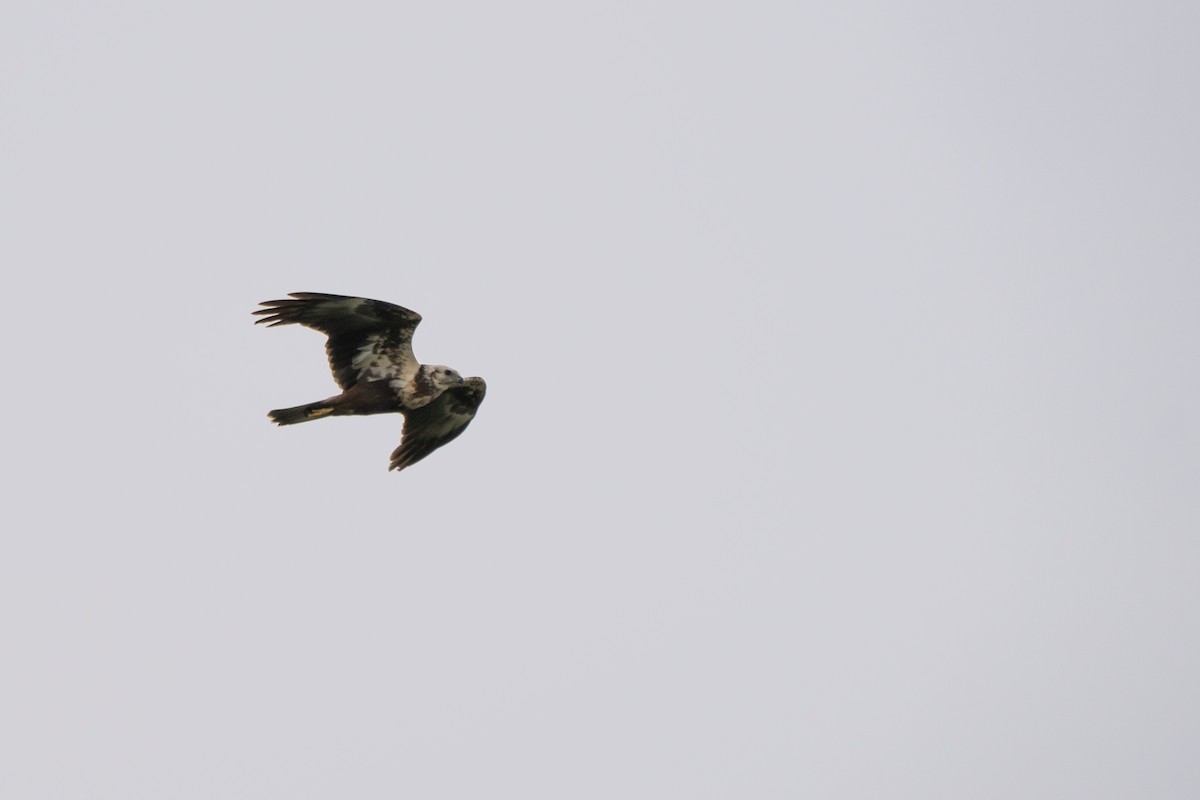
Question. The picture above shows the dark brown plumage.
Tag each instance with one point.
(370, 355)
(429, 427)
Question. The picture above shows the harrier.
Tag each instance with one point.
(370, 353)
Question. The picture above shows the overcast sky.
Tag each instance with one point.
(843, 428)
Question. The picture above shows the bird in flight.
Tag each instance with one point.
(370, 354)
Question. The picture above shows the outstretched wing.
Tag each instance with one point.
(369, 340)
(429, 427)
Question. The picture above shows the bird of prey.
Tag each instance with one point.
(370, 354)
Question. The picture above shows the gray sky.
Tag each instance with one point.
(842, 437)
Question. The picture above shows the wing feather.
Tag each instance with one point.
(368, 339)
(429, 427)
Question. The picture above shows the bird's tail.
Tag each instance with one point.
(290, 416)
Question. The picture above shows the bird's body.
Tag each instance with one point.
(370, 354)
(375, 396)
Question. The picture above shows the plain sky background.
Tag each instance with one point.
(842, 437)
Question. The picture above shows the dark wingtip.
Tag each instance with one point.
(399, 460)
(278, 312)
(271, 313)
(321, 296)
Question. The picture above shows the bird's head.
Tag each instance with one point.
(441, 377)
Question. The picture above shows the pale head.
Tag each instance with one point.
(441, 377)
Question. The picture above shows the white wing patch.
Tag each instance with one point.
(376, 360)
